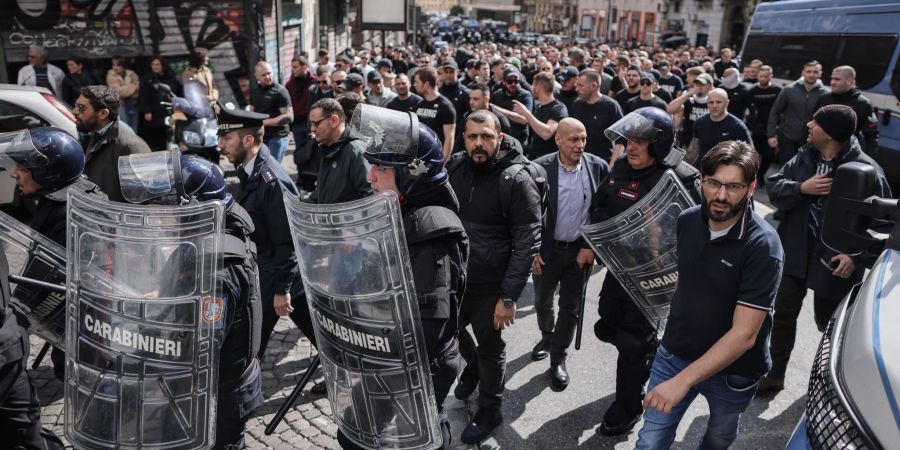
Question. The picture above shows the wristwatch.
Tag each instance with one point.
(508, 303)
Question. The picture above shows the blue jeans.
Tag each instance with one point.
(128, 113)
(300, 131)
(728, 396)
(277, 146)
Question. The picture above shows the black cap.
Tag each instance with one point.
(353, 81)
(373, 77)
(662, 64)
(510, 72)
(568, 73)
(384, 62)
(470, 63)
(647, 76)
(450, 62)
(235, 119)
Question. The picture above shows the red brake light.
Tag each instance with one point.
(60, 106)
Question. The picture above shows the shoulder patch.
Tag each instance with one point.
(267, 174)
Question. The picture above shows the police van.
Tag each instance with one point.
(859, 33)
(853, 401)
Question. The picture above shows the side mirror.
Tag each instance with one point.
(850, 208)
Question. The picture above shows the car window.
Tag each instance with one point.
(14, 117)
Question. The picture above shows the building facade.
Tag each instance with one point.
(710, 23)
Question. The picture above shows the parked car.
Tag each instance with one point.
(29, 107)
(854, 387)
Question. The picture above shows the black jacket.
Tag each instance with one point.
(101, 157)
(505, 238)
(49, 216)
(458, 94)
(262, 195)
(72, 84)
(439, 252)
(783, 188)
(623, 188)
(596, 169)
(343, 172)
(150, 99)
(866, 121)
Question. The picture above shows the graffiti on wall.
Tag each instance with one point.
(99, 29)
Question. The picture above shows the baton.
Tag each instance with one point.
(587, 276)
(37, 283)
(40, 356)
(289, 403)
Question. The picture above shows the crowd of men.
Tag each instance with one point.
(521, 148)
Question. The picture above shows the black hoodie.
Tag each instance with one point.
(866, 122)
(503, 244)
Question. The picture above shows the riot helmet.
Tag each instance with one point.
(397, 139)
(54, 157)
(651, 124)
(169, 178)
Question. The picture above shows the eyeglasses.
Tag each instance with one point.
(315, 123)
(732, 188)
(512, 81)
(79, 107)
(323, 81)
(646, 83)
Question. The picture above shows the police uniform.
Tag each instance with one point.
(621, 322)
(262, 196)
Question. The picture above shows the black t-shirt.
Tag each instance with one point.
(458, 94)
(622, 96)
(554, 110)
(597, 117)
(409, 104)
(693, 110)
(747, 263)
(738, 100)
(567, 98)
(710, 133)
(761, 101)
(672, 85)
(616, 85)
(638, 102)
(436, 113)
(663, 95)
(269, 101)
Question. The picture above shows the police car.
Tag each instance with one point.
(853, 400)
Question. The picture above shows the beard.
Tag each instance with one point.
(733, 209)
(480, 151)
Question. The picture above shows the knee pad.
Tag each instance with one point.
(604, 332)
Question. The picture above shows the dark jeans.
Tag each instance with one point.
(788, 148)
(766, 154)
(788, 303)
(20, 411)
(485, 362)
(560, 269)
(623, 325)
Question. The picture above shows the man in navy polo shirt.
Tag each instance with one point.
(729, 268)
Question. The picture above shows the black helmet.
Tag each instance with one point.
(651, 124)
(397, 139)
(54, 157)
(170, 178)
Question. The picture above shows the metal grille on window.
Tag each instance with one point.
(827, 424)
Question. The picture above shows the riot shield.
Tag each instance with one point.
(144, 313)
(355, 266)
(32, 255)
(639, 247)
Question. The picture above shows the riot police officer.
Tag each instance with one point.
(239, 376)
(263, 184)
(438, 246)
(648, 136)
(46, 170)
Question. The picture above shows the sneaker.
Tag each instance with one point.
(769, 386)
(484, 422)
(464, 388)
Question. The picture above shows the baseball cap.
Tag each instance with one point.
(384, 62)
(450, 62)
(353, 81)
(568, 73)
(704, 78)
(373, 76)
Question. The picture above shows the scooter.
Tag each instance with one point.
(191, 121)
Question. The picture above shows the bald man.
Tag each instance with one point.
(718, 125)
(573, 177)
(274, 100)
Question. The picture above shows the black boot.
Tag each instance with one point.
(484, 422)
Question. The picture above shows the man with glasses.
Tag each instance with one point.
(799, 191)
(96, 114)
(342, 174)
(715, 339)
(321, 88)
(40, 73)
(645, 97)
(506, 96)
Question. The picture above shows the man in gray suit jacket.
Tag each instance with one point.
(573, 177)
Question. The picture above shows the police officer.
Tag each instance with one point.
(46, 170)
(240, 379)
(438, 249)
(649, 136)
(263, 184)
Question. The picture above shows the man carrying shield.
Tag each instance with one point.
(191, 179)
(438, 246)
(648, 136)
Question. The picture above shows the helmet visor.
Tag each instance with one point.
(388, 134)
(17, 148)
(148, 176)
(633, 126)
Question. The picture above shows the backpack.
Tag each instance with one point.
(507, 177)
